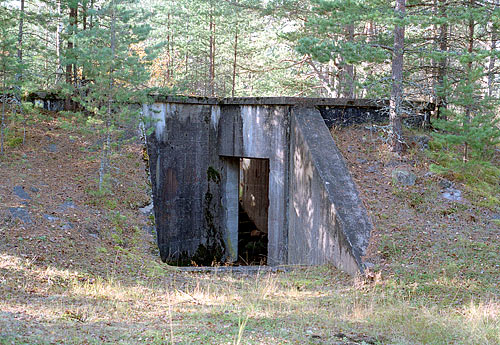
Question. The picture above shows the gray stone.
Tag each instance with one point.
(20, 192)
(444, 183)
(67, 226)
(34, 189)
(421, 141)
(393, 163)
(371, 169)
(368, 265)
(147, 210)
(361, 160)
(495, 216)
(21, 213)
(50, 218)
(65, 206)
(403, 177)
(149, 229)
(452, 194)
(52, 148)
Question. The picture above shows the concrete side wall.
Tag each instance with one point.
(255, 193)
(262, 132)
(186, 177)
(229, 203)
(327, 222)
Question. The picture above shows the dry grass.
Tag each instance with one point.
(308, 305)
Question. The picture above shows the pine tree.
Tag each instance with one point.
(9, 63)
(116, 75)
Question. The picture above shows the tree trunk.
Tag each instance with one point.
(2, 125)
(234, 60)
(91, 25)
(107, 144)
(349, 68)
(59, 71)
(75, 67)
(20, 37)
(84, 24)
(169, 56)
(397, 79)
(211, 73)
(470, 49)
(491, 65)
(19, 75)
(440, 102)
(69, 52)
(187, 47)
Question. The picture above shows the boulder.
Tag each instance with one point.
(403, 177)
(20, 192)
(452, 194)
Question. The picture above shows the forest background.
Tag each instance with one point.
(102, 55)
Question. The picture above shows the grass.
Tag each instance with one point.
(304, 306)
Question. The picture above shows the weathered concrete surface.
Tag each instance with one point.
(262, 132)
(314, 214)
(229, 205)
(185, 180)
(327, 221)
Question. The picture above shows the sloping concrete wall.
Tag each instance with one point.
(327, 221)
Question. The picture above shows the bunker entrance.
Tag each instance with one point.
(253, 211)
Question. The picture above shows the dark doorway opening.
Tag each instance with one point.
(253, 211)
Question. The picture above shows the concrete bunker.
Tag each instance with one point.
(274, 160)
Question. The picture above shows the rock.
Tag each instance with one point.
(428, 174)
(34, 189)
(93, 232)
(67, 226)
(452, 194)
(371, 169)
(149, 229)
(361, 160)
(444, 183)
(146, 210)
(393, 163)
(368, 265)
(495, 216)
(65, 206)
(52, 148)
(21, 213)
(420, 141)
(20, 192)
(403, 177)
(50, 218)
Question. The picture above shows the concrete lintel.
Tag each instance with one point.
(342, 102)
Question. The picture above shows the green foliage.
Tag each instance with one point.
(481, 132)
(14, 141)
